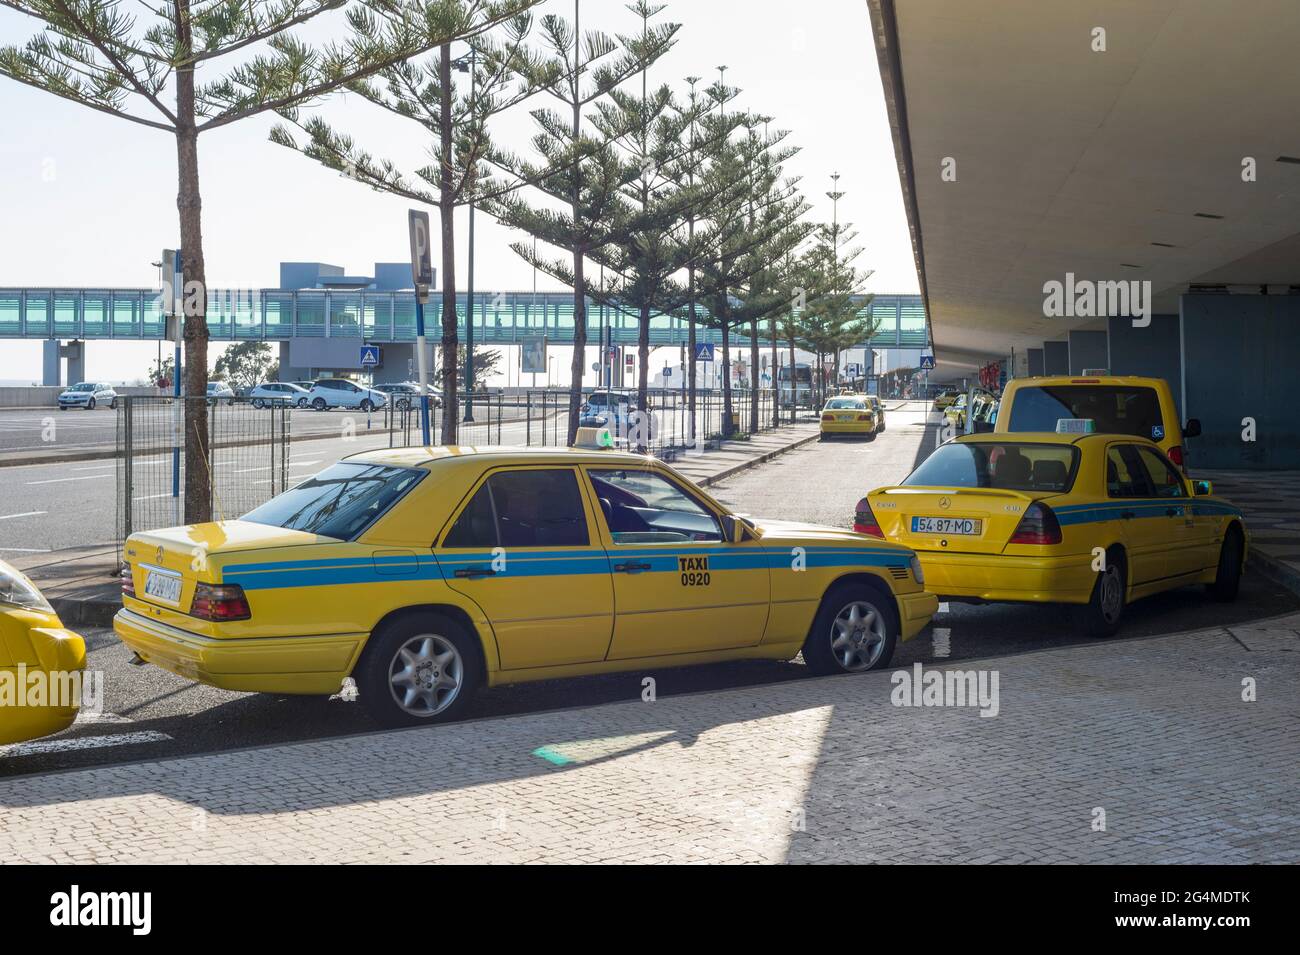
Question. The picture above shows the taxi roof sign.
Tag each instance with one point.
(599, 438)
(1075, 425)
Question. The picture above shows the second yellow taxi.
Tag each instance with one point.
(1093, 520)
(424, 573)
(848, 414)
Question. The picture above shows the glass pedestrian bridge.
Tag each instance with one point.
(375, 316)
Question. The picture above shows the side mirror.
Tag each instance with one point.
(1201, 488)
(733, 529)
(1193, 428)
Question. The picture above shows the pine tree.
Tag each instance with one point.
(504, 73)
(94, 53)
(580, 173)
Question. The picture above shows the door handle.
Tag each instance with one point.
(631, 567)
(1171, 512)
(1127, 515)
(472, 572)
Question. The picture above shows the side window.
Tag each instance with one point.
(1120, 478)
(643, 507)
(1166, 481)
(532, 508)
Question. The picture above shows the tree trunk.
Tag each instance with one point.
(447, 219)
(643, 361)
(198, 477)
(578, 365)
(776, 403)
(690, 362)
(794, 386)
(726, 381)
(753, 376)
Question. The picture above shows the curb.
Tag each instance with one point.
(1278, 571)
(85, 613)
(760, 459)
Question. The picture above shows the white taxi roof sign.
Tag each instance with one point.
(1075, 425)
(596, 438)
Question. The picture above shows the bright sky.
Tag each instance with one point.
(90, 200)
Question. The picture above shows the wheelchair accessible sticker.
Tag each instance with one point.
(1157, 432)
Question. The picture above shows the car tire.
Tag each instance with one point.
(871, 436)
(112, 405)
(259, 404)
(1227, 580)
(319, 404)
(90, 404)
(367, 405)
(1103, 614)
(871, 646)
(444, 651)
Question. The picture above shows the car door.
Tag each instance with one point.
(1186, 554)
(1143, 523)
(679, 586)
(524, 548)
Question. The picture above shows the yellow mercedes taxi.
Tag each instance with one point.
(848, 414)
(1093, 520)
(424, 573)
(40, 663)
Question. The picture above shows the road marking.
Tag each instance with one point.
(97, 467)
(88, 477)
(41, 747)
(28, 550)
(86, 716)
(7, 517)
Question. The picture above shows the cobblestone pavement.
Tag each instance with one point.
(1153, 733)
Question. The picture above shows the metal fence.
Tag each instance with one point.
(248, 458)
(256, 453)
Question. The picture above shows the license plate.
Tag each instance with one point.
(956, 526)
(163, 585)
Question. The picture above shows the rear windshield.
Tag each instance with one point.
(846, 403)
(1006, 465)
(341, 501)
(1116, 409)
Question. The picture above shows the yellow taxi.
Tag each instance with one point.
(40, 663)
(424, 573)
(1118, 404)
(1094, 520)
(848, 414)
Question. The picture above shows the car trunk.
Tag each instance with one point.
(166, 564)
(966, 521)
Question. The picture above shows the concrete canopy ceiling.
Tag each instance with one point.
(1070, 160)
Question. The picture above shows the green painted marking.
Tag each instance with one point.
(552, 756)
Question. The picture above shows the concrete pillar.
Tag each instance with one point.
(1056, 358)
(75, 352)
(1087, 350)
(51, 367)
(1239, 360)
(1035, 362)
(1153, 351)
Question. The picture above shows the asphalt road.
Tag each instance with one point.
(151, 714)
(46, 507)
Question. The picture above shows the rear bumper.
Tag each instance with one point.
(915, 611)
(848, 427)
(999, 577)
(298, 665)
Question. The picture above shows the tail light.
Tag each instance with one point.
(128, 582)
(219, 602)
(864, 417)
(1176, 455)
(1038, 526)
(828, 417)
(864, 522)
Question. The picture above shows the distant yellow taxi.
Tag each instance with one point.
(40, 663)
(424, 573)
(1094, 520)
(848, 414)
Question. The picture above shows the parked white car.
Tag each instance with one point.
(88, 395)
(220, 391)
(341, 393)
(278, 393)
